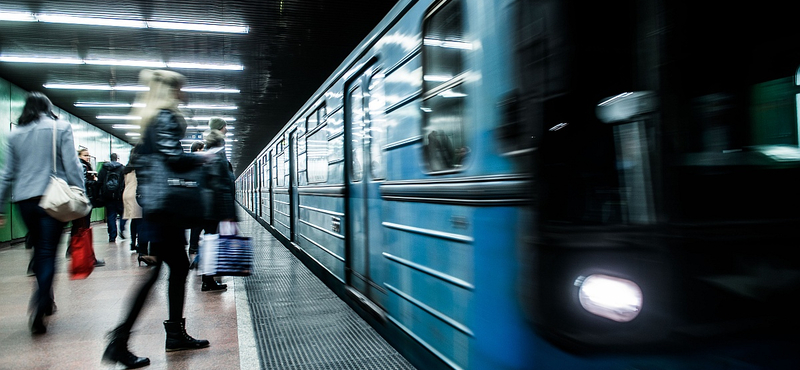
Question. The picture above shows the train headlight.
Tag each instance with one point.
(610, 297)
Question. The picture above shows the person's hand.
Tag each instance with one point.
(2, 220)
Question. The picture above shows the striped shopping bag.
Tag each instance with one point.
(226, 255)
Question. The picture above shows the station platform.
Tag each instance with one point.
(280, 317)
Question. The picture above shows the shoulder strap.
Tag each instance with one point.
(54, 147)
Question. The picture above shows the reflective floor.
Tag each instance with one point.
(281, 317)
(88, 309)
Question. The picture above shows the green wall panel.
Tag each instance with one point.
(99, 143)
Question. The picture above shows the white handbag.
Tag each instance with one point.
(61, 201)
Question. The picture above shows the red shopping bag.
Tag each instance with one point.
(82, 254)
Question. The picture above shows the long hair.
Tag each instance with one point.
(163, 94)
(36, 104)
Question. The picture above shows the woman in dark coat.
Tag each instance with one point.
(90, 179)
(220, 194)
(163, 127)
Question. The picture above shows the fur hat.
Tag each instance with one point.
(216, 123)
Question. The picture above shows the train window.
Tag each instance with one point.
(312, 120)
(357, 126)
(316, 117)
(317, 156)
(443, 54)
(281, 170)
(377, 129)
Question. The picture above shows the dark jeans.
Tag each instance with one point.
(167, 245)
(44, 233)
(113, 210)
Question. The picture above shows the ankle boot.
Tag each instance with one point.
(178, 340)
(117, 351)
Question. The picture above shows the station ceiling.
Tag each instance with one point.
(289, 48)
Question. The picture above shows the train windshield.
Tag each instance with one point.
(695, 122)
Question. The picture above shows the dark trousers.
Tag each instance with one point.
(168, 248)
(44, 234)
(114, 209)
(135, 233)
(194, 237)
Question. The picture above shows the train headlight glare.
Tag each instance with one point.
(610, 297)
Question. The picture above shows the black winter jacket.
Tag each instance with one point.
(220, 189)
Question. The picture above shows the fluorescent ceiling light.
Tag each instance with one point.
(17, 17)
(126, 127)
(227, 67)
(68, 19)
(206, 118)
(132, 88)
(119, 117)
(119, 22)
(132, 134)
(198, 27)
(208, 106)
(211, 90)
(129, 105)
(95, 87)
(40, 60)
(196, 118)
(126, 63)
(121, 62)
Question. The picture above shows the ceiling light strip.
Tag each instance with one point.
(139, 105)
(132, 88)
(118, 22)
(123, 63)
(128, 117)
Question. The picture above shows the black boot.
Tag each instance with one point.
(117, 351)
(209, 284)
(178, 340)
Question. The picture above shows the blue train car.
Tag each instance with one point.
(524, 184)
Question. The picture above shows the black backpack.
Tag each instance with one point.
(112, 188)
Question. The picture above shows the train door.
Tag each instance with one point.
(363, 211)
(256, 189)
(272, 174)
(293, 196)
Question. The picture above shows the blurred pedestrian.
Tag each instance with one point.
(222, 191)
(194, 235)
(163, 127)
(112, 185)
(28, 149)
(90, 181)
(133, 212)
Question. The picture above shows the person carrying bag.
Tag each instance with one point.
(25, 150)
(223, 252)
(169, 183)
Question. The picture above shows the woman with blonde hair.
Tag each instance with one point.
(163, 127)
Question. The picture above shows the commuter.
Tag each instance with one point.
(112, 184)
(133, 212)
(194, 236)
(220, 185)
(163, 127)
(90, 181)
(28, 148)
(219, 124)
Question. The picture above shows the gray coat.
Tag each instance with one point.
(28, 157)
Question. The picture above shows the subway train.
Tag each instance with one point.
(523, 184)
